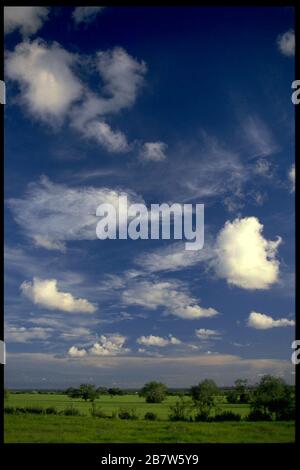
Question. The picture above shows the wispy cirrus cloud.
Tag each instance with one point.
(51, 214)
(172, 295)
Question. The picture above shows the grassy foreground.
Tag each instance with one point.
(30, 428)
(84, 429)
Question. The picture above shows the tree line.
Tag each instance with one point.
(270, 399)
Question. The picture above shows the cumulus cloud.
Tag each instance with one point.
(153, 151)
(122, 77)
(44, 73)
(292, 177)
(86, 14)
(206, 334)
(152, 340)
(170, 295)
(51, 89)
(244, 257)
(27, 19)
(52, 214)
(260, 321)
(113, 141)
(44, 292)
(21, 334)
(76, 352)
(109, 345)
(286, 43)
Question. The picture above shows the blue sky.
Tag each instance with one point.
(186, 105)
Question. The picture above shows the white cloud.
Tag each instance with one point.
(109, 345)
(113, 141)
(51, 90)
(292, 177)
(52, 214)
(27, 19)
(152, 340)
(44, 292)
(206, 334)
(173, 258)
(260, 321)
(260, 140)
(171, 295)
(244, 257)
(153, 151)
(86, 14)
(122, 77)
(15, 334)
(75, 352)
(45, 76)
(286, 43)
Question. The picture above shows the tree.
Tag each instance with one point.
(102, 391)
(242, 391)
(273, 396)
(114, 391)
(73, 392)
(154, 392)
(203, 396)
(88, 392)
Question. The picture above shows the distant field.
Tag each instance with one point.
(107, 404)
(30, 428)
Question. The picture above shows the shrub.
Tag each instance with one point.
(257, 415)
(71, 411)
(127, 414)
(51, 410)
(10, 410)
(20, 409)
(227, 416)
(37, 410)
(97, 412)
(204, 416)
(286, 415)
(150, 416)
(178, 411)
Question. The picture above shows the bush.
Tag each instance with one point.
(10, 410)
(227, 416)
(97, 412)
(150, 416)
(178, 411)
(286, 415)
(127, 414)
(20, 409)
(51, 410)
(34, 410)
(204, 416)
(70, 411)
(257, 415)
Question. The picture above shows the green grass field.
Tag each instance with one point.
(82, 429)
